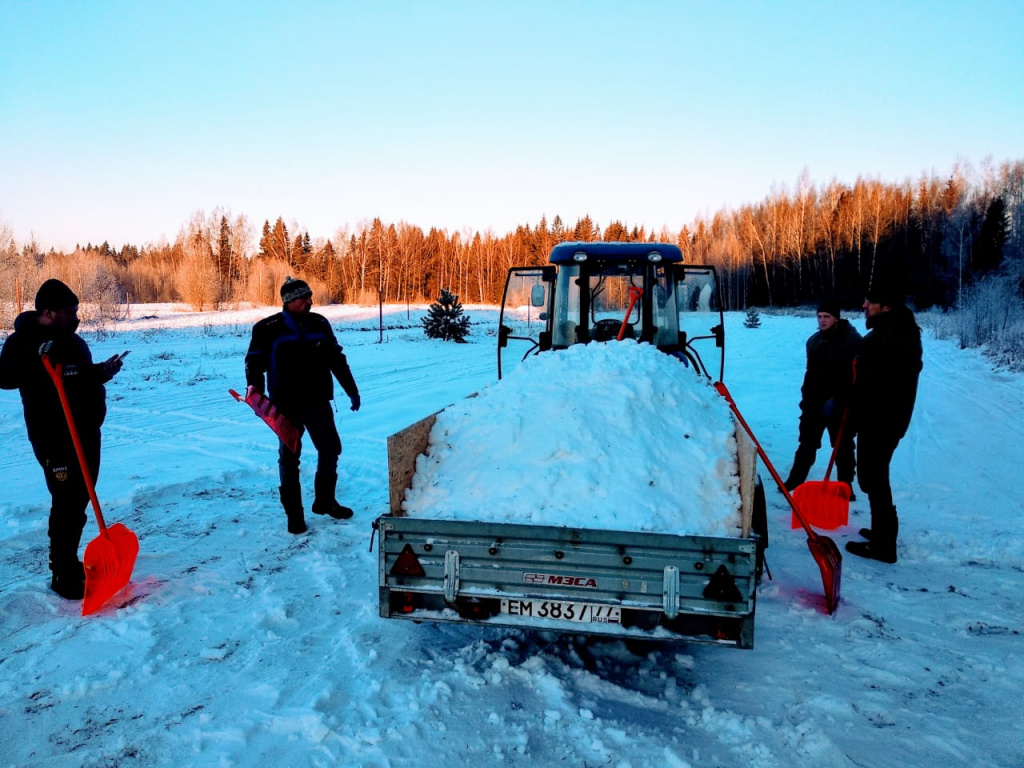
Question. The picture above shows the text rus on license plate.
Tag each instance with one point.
(564, 611)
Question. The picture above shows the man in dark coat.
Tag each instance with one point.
(825, 394)
(50, 330)
(297, 352)
(888, 368)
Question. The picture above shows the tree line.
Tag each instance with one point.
(935, 237)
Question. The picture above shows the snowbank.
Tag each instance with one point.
(586, 437)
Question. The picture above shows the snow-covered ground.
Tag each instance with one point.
(238, 644)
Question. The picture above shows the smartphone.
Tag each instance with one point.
(123, 355)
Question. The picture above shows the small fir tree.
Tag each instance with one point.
(753, 318)
(444, 319)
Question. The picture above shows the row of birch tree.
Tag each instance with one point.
(934, 238)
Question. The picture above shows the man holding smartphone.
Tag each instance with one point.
(50, 330)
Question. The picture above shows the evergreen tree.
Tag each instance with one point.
(753, 319)
(444, 319)
(988, 251)
(280, 247)
(265, 246)
(224, 260)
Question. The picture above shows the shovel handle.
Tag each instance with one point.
(634, 294)
(56, 374)
(724, 392)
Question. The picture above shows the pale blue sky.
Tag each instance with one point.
(120, 120)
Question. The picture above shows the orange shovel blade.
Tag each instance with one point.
(830, 562)
(109, 560)
(824, 504)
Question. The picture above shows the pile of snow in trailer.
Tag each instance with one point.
(587, 437)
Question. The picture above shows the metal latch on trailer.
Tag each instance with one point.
(670, 591)
(451, 575)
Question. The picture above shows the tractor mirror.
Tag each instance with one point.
(537, 295)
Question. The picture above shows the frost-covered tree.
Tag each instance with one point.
(444, 319)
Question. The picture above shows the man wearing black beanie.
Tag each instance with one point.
(50, 330)
(888, 368)
(293, 355)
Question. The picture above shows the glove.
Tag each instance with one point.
(355, 401)
(45, 347)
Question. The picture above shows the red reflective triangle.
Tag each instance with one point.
(407, 564)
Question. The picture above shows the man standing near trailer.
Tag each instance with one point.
(825, 394)
(888, 368)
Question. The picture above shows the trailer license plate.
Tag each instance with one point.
(590, 613)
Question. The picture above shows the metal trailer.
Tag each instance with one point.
(654, 586)
(630, 584)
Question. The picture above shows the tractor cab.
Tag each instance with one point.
(606, 292)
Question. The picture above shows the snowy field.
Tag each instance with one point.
(237, 644)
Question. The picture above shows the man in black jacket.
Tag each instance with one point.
(825, 394)
(50, 330)
(888, 368)
(297, 352)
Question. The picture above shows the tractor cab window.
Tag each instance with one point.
(567, 307)
(613, 306)
(700, 318)
(663, 308)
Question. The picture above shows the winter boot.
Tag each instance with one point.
(291, 500)
(68, 579)
(325, 485)
(69, 583)
(872, 551)
(881, 541)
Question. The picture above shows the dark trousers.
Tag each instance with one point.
(318, 420)
(874, 455)
(813, 423)
(69, 496)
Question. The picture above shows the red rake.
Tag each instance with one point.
(824, 551)
(109, 558)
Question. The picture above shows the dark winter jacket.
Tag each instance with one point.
(297, 352)
(829, 373)
(22, 368)
(888, 368)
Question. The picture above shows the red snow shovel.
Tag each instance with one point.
(824, 551)
(110, 557)
(287, 432)
(825, 503)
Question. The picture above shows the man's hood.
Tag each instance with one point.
(27, 321)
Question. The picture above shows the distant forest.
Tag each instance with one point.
(941, 240)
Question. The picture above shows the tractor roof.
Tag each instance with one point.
(565, 253)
